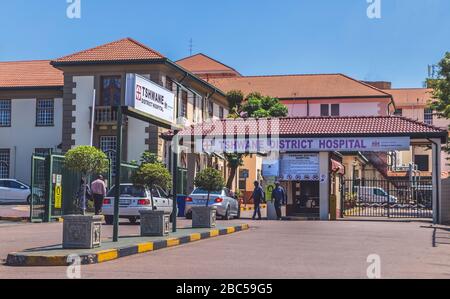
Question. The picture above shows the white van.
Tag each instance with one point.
(373, 195)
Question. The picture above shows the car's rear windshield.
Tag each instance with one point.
(202, 191)
(128, 190)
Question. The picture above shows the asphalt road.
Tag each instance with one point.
(270, 249)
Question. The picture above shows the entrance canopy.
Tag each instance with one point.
(309, 134)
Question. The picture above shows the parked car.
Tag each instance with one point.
(14, 191)
(374, 195)
(226, 203)
(134, 198)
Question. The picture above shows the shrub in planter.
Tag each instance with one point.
(210, 180)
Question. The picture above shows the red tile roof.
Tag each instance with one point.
(301, 86)
(125, 49)
(202, 64)
(410, 96)
(318, 126)
(28, 74)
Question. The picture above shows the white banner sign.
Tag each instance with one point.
(150, 98)
(300, 167)
(264, 145)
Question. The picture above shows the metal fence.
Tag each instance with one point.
(396, 198)
(56, 189)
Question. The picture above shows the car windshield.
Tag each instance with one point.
(128, 190)
(202, 191)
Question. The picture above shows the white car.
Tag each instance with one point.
(374, 195)
(133, 199)
(14, 191)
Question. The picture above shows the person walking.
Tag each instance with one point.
(98, 188)
(279, 199)
(258, 198)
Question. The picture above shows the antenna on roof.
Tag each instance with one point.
(191, 46)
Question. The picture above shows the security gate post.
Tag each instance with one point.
(117, 175)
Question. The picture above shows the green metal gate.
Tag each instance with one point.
(38, 185)
(55, 188)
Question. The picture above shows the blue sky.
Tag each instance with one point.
(254, 36)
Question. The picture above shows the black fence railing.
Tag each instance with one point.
(388, 198)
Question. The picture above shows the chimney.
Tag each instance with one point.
(380, 84)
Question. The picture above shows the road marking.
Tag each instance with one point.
(145, 247)
(173, 242)
(214, 233)
(231, 230)
(195, 237)
(107, 255)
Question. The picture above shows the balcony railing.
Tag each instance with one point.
(105, 115)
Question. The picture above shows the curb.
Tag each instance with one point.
(15, 219)
(243, 209)
(20, 260)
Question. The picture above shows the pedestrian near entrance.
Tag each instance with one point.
(258, 198)
(98, 188)
(279, 199)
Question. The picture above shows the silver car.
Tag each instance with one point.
(227, 205)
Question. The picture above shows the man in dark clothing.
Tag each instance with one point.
(258, 198)
(279, 199)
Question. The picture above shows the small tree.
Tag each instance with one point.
(150, 175)
(210, 180)
(86, 160)
(254, 106)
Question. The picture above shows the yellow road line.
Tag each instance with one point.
(195, 237)
(145, 247)
(173, 242)
(107, 255)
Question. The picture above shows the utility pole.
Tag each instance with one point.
(191, 46)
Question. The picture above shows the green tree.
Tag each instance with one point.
(255, 106)
(86, 160)
(441, 90)
(209, 180)
(150, 175)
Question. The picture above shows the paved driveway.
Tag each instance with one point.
(270, 249)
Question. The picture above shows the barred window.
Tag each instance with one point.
(184, 104)
(4, 163)
(428, 116)
(108, 146)
(45, 113)
(211, 108)
(5, 113)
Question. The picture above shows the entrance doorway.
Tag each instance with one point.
(306, 197)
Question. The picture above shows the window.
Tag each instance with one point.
(211, 109)
(5, 113)
(422, 162)
(398, 112)
(428, 116)
(329, 110)
(324, 110)
(184, 103)
(169, 84)
(335, 109)
(4, 163)
(111, 91)
(221, 112)
(45, 111)
(108, 146)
